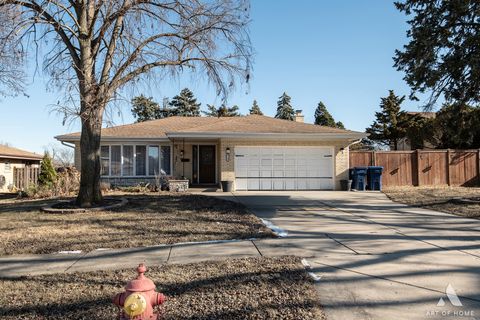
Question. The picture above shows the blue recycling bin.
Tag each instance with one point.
(374, 175)
(359, 178)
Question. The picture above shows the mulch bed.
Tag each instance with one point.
(147, 219)
(249, 288)
(461, 201)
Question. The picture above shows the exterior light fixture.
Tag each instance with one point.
(181, 154)
(227, 154)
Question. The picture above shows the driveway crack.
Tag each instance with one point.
(340, 243)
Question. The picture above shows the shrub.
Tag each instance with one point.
(48, 175)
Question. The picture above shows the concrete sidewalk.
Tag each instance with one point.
(102, 259)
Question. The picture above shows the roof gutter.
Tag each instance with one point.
(316, 136)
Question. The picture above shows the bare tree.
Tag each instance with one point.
(62, 156)
(12, 75)
(97, 48)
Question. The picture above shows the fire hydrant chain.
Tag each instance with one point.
(139, 299)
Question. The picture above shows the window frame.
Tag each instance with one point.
(147, 164)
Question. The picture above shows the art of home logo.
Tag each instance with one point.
(453, 300)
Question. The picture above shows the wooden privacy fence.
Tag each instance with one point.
(23, 177)
(423, 167)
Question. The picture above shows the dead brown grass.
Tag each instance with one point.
(249, 288)
(437, 199)
(148, 219)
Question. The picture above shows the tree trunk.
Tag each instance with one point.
(90, 192)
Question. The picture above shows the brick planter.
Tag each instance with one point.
(177, 185)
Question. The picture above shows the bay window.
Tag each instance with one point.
(134, 160)
(140, 160)
(105, 160)
(116, 160)
(153, 163)
(127, 160)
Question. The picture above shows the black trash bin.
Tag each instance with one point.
(359, 178)
(374, 176)
(227, 186)
(346, 185)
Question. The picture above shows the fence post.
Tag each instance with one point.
(478, 167)
(448, 167)
(418, 168)
(374, 158)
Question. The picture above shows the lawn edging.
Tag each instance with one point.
(50, 208)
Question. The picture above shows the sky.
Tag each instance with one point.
(338, 52)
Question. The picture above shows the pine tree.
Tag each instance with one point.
(340, 125)
(145, 109)
(47, 175)
(391, 123)
(185, 104)
(255, 109)
(222, 111)
(212, 111)
(284, 108)
(323, 117)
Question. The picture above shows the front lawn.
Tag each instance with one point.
(249, 288)
(148, 219)
(439, 199)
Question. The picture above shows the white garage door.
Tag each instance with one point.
(284, 168)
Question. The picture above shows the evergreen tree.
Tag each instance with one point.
(255, 109)
(284, 108)
(391, 123)
(185, 104)
(222, 111)
(456, 126)
(212, 111)
(47, 175)
(144, 109)
(442, 55)
(323, 117)
(340, 125)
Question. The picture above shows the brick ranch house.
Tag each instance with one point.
(256, 152)
(11, 158)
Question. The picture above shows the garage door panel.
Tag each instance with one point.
(290, 184)
(241, 184)
(278, 184)
(253, 184)
(265, 184)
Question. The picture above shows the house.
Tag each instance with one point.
(256, 152)
(12, 158)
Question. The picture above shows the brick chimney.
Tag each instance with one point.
(298, 116)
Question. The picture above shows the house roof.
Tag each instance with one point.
(214, 127)
(428, 115)
(14, 153)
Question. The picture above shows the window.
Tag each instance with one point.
(153, 163)
(128, 160)
(140, 160)
(165, 159)
(116, 160)
(105, 160)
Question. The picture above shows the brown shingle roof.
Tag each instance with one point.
(14, 153)
(244, 124)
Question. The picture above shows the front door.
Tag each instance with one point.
(206, 164)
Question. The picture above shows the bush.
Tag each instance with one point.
(48, 175)
(67, 183)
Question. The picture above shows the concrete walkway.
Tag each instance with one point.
(102, 259)
(377, 259)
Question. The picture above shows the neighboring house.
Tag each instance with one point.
(256, 152)
(11, 158)
(405, 143)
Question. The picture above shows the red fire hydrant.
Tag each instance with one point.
(139, 298)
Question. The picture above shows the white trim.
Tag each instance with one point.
(295, 136)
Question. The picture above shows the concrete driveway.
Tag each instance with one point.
(377, 259)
